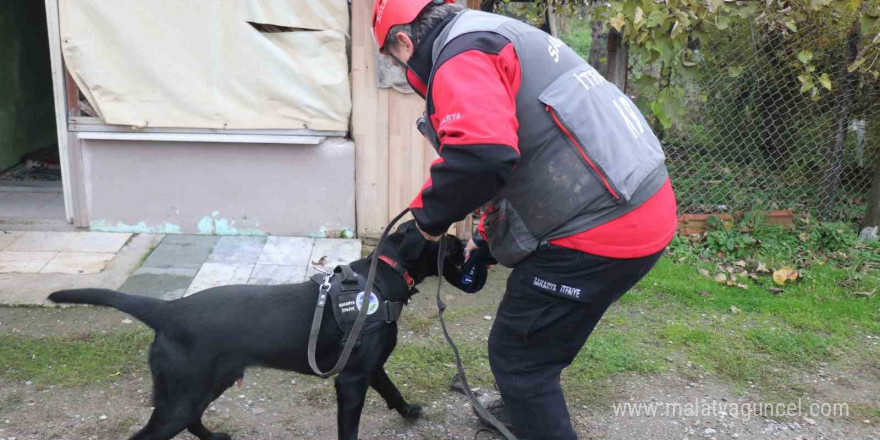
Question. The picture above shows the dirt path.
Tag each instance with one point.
(277, 405)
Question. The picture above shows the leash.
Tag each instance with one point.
(355, 333)
(441, 307)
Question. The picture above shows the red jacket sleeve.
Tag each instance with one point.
(474, 115)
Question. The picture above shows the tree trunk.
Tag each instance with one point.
(618, 60)
(551, 20)
(872, 217)
(834, 154)
(598, 47)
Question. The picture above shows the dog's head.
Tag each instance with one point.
(407, 246)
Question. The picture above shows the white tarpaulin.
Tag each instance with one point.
(205, 64)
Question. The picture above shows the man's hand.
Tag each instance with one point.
(428, 236)
(471, 245)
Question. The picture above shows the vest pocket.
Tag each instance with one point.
(509, 239)
(583, 153)
(605, 128)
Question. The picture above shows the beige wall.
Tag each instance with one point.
(220, 188)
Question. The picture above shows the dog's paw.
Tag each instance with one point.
(411, 412)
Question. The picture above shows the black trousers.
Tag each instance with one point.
(553, 301)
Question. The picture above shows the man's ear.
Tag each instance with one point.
(404, 41)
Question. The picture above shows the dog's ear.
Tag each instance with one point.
(413, 244)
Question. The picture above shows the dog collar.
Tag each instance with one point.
(410, 282)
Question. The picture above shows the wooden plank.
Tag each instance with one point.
(418, 145)
(369, 128)
(72, 94)
(58, 80)
(86, 123)
(398, 156)
(210, 138)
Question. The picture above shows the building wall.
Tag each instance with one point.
(225, 189)
(27, 115)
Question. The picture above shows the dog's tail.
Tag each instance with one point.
(150, 311)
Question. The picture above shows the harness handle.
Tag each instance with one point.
(354, 335)
(441, 307)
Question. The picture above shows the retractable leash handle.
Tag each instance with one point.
(475, 270)
(441, 307)
(361, 317)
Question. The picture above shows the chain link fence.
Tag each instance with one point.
(751, 139)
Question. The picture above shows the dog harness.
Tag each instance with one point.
(345, 291)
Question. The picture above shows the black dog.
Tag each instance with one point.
(205, 341)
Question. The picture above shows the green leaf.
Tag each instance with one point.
(791, 26)
(868, 23)
(806, 82)
(682, 17)
(677, 29)
(657, 110)
(855, 65)
(646, 84)
(805, 56)
(639, 17)
(735, 71)
(618, 21)
(656, 17)
(667, 107)
(722, 22)
(825, 81)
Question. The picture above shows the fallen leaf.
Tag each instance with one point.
(775, 290)
(762, 268)
(753, 276)
(704, 273)
(742, 286)
(720, 278)
(730, 283)
(741, 263)
(734, 309)
(320, 261)
(785, 274)
(865, 294)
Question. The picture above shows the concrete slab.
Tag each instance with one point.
(182, 251)
(7, 237)
(167, 284)
(237, 250)
(39, 241)
(287, 251)
(34, 288)
(336, 251)
(219, 274)
(24, 261)
(78, 262)
(96, 242)
(31, 204)
(273, 274)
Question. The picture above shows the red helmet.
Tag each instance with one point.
(389, 13)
